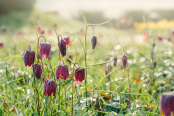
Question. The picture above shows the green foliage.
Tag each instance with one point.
(17, 86)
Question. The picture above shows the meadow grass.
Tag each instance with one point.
(109, 97)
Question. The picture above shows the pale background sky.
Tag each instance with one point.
(111, 8)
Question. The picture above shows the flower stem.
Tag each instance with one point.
(65, 94)
(128, 83)
(72, 91)
(38, 108)
(59, 64)
(86, 62)
(50, 106)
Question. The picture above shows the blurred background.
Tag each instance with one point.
(124, 13)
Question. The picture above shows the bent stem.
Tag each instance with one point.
(38, 108)
(86, 28)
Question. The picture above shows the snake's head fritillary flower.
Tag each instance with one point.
(62, 72)
(29, 57)
(160, 39)
(124, 61)
(39, 28)
(45, 49)
(93, 41)
(67, 40)
(62, 47)
(37, 70)
(1, 45)
(51, 88)
(167, 104)
(45, 87)
(79, 74)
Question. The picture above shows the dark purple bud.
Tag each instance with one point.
(45, 87)
(167, 104)
(45, 49)
(93, 41)
(62, 72)
(115, 60)
(124, 61)
(29, 57)
(79, 74)
(1, 45)
(51, 88)
(37, 70)
(62, 47)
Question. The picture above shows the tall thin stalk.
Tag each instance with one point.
(50, 106)
(65, 95)
(38, 107)
(86, 62)
(129, 91)
(72, 91)
(59, 64)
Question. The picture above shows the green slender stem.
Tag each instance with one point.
(50, 106)
(38, 107)
(59, 64)
(72, 91)
(128, 83)
(65, 94)
(86, 62)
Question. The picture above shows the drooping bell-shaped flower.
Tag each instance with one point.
(79, 74)
(67, 40)
(62, 47)
(93, 41)
(51, 88)
(124, 61)
(29, 57)
(1, 45)
(37, 70)
(45, 49)
(62, 72)
(167, 104)
(45, 87)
